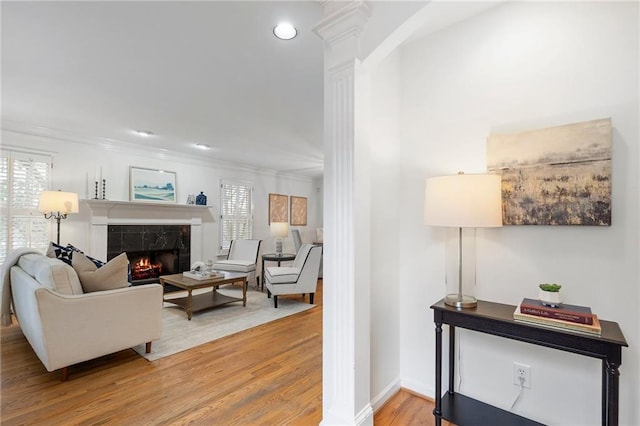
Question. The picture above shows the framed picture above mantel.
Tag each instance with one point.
(152, 186)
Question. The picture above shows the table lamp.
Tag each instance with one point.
(460, 201)
(56, 205)
(279, 230)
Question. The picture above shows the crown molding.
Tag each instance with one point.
(113, 145)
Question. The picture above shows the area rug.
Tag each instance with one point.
(179, 334)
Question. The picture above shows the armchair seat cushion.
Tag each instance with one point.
(282, 274)
(236, 265)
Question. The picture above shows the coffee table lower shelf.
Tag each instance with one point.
(463, 410)
(200, 302)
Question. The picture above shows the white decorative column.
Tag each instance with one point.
(346, 296)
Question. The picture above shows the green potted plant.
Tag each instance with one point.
(549, 294)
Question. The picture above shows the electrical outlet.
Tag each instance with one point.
(522, 372)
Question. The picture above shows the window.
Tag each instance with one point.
(236, 212)
(22, 177)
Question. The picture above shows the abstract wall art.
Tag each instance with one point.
(555, 176)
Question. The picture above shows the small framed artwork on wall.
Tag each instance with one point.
(152, 186)
(278, 211)
(298, 211)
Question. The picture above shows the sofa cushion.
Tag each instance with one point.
(282, 274)
(235, 265)
(51, 273)
(111, 276)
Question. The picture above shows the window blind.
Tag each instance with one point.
(236, 212)
(22, 177)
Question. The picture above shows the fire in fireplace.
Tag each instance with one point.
(147, 266)
(144, 269)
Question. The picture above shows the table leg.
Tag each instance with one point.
(437, 412)
(262, 281)
(189, 304)
(245, 284)
(452, 358)
(612, 393)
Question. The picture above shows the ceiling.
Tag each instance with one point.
(196, 72)
(190, 72)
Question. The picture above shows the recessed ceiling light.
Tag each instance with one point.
(144, 133)
(202, 146)
(285, 31)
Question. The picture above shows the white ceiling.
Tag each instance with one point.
(191, 72)
(208, 72)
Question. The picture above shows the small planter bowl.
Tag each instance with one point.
(550, 298)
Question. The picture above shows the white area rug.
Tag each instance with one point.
(179, 334)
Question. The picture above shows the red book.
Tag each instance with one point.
(564, 312)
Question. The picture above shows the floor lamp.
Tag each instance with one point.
(57, 205)
(465, 202)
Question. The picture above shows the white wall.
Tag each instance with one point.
(385, 221)
(522, 66)
(74, 163)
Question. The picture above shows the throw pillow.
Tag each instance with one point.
(59, 252)
(111, 276)
(98, 263)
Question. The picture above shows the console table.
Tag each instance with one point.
(497, 319)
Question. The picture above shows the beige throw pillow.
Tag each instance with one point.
(110, 276)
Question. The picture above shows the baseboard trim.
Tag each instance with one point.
(419, 388)
(379, 400)
(365, 416)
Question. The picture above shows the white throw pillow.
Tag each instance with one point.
(110, 276)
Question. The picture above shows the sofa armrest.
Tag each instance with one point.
(77, 328)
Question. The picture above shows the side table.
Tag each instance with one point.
(497, 319)
(274, 257)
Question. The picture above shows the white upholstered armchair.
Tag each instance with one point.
(242, 257)
(300, 278)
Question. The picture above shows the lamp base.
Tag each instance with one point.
(460, 301)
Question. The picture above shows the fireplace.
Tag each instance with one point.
(152, 250)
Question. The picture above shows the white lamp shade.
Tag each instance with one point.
(279, 229)
(58, 201)
(473, 200)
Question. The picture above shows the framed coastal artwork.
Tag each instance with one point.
(555, 176)
(278, 208)
(298, 211)
(152, 186)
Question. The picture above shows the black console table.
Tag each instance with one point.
(497, 319)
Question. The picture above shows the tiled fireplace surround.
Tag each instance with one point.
(153, 223)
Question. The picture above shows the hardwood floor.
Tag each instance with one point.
(268, 375)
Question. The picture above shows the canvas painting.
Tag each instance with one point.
(298, 211)
(555, 176)
(154, 186)
(278, 208)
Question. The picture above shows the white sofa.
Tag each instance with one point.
(66, 326)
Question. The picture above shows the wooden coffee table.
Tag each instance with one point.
(194, 303)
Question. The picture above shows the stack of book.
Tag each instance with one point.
(566, 317)
(203, 275)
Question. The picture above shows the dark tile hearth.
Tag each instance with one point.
(171, 243)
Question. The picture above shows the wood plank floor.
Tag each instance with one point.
(268, 375)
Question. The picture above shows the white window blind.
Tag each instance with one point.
(22, 177)
(236, 212)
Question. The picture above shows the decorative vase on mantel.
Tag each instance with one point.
(549, 294)
(201, 199)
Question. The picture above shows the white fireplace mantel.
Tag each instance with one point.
(106, 212)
